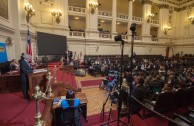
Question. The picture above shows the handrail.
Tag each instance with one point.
(137, 19)
(77, 9)
(124, 37)
(104, 35)
(103, 13)
(154, 21)
(154, 39)
(77, 33)
(122, 16)
(138, 37)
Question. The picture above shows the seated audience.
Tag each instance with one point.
(160, 74)
(112, 83)
(139, 93)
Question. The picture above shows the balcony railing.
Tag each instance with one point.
(138, 38)
(124, 37)
(155, 39)
(105, 35)
(154, 22)
(139, 19)
(77, 9)
(122, 16)
(103, 13)
(77, 34)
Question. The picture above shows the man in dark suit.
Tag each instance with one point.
(138, 92)
(25, 69)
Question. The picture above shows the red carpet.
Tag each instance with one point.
(54, 64)
(90, 83)
(64, 77)
(95, 120)
(15, 111)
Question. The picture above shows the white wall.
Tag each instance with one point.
(82, 3)
(155, 11)
(106, 25)
(111, 48)
(184, 49)
(138, 30)
(122, 7)
(121, 28)
(137, 8)
(106, 5)
(183, 33)
(77, 24)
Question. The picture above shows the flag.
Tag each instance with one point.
(29, 46)
(3, 53)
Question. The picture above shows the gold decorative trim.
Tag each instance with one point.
(147, 2)
(164, 6)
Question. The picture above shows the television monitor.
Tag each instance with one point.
(51, 44)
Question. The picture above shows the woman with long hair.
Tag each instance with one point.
(70, 100)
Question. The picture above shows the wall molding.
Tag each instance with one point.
(7, 28)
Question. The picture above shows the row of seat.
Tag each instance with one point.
(171, 100)
(149, 57)
(186, 119)
(110, 57)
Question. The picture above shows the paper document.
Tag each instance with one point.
(39, 70)
(63, 97)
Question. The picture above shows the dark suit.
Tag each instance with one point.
(138, 92)
(25, 69)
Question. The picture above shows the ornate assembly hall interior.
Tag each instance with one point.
(96, 62)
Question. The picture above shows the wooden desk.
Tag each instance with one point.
(10, 82)
(79, 95)
(51, 113)
(56, 109)
(37, 79)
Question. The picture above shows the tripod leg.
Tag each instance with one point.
(104, 104)
(110, 112)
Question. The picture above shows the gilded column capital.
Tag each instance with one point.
(163, 6)
(147, 2)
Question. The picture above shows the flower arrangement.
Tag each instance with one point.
(8, 41)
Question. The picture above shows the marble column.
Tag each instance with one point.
(145, 25)
(163, 20)
(114, 17)
(130, 17)
(91, 22)
(65, 17)
(15, 19)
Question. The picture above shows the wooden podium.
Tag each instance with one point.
(37, 79)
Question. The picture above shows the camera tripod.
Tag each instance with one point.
(119, 38)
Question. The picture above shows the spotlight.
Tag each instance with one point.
(133, 27)
(118, 38)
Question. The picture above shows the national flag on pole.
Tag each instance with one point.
(29, 46)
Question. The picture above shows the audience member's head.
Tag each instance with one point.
(139, 80)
